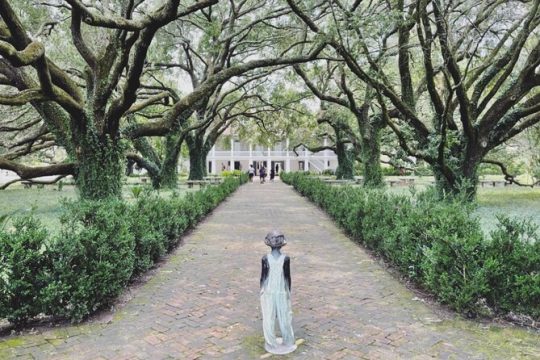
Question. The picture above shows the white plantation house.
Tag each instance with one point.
(238, 155)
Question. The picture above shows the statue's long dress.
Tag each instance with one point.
(276, 305)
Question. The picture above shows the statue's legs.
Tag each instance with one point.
(284, 315)
(269, 319)
(274, 307)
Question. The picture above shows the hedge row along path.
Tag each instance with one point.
(203, 302)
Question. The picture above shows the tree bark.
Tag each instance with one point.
(197, 165)
(371, 151)
(463, 179)
(345, 168)
(100, 167)
(169, 168)
(371, 157)
(197, 156)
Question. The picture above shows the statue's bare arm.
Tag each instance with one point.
(264, 270)
(287, 271)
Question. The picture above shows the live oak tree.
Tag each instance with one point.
(24, 136)
(220, 51)
(86, 112)
(289, 116)
(474, 87)
(85, 120)
(334, 89)
(227, 110)
(533, 140)
(159, 156)
(345, 142)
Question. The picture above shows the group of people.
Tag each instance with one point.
(262, 173)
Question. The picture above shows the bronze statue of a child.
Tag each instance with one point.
(276, 296)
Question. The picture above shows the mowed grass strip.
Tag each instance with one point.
(513, 201)
(46, 203)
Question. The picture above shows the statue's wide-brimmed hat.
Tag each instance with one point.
(275, 239)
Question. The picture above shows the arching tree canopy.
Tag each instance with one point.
(85, 100)
(102, 79)
(462, 76)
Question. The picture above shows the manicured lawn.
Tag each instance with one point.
(510, 201)
(46, 203)
(513, 201)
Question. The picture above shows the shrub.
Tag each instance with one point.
(168, 218)
(100, 247)
(228, 173)
(136, 191)
(146, 218)
(93, 258)
(328, 172)
(24, 269)
(439, 244)
(513, 267)
(452, 264)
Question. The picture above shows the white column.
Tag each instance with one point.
(306, 160)
(268, 161)
(232, 155)
(250, 154)
(213, 161)
(288, 157)
(325, 143)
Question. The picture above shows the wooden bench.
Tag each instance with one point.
(401, 182)
(494, 183)
(201, 183)
(214, 179)
(338, 182)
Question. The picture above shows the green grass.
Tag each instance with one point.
(512, 201)
(517, 202)
(46, 203)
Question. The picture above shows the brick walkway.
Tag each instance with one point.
(203, 303)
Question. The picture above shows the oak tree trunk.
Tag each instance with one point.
(197, 156)
(169, 168)
(100, 167)
(371, 155)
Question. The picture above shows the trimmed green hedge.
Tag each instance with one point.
(100, 247)
(439, 245)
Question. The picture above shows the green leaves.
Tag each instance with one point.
(24, 267)
(439, 245)
(102, 245)
(513, 263)
(93, 258)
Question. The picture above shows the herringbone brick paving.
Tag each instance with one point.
(203, 302)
